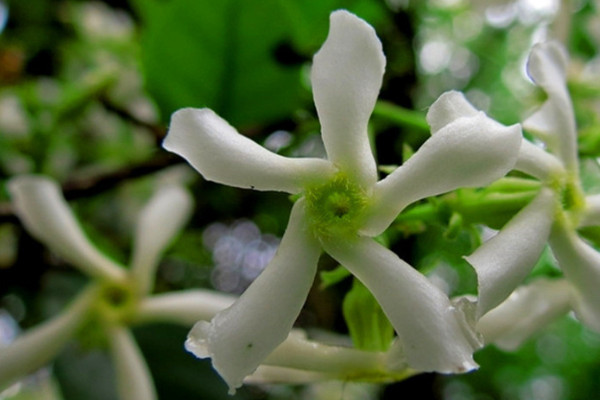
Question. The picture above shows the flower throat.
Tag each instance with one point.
(335, 207)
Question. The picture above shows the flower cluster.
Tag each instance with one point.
(555, 214)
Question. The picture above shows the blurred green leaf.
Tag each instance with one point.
(369, 327)
(221, 55)
(309, 21)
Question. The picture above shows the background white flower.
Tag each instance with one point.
(117, 297)
(556, 212)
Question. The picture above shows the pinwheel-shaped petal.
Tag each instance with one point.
(47, 216)
(160, 220)
(40, 345)
(214, 147)
(242, 336)
(554, 122)
(183, 307)
(526, 311)
(342, 205)
(429, 327)
(581, 264)
(506, 259)
(134, 381)
(346, 77)
(467, 149)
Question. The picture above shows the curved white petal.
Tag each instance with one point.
(449, 107)
(158, 222)
(468, 152)
(591, 214)
(134, 381)
(239, 338)
(581, 264)
(346, 77)
(221, 154)
(40, 345)
(184, 307)
(535, 161)
(555, 120)
(431, 329)
(506, 259)
(299, 353)
(46, 215)
(526, 311)
(267, 374)
(547, 65)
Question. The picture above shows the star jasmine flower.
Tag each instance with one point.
(558, 210)
(342, 206)
(117, 298)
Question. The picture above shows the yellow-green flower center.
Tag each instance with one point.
(572, 199)
(115, 304)
(335, 207)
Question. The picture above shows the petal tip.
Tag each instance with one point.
(547, 61)
(450, 106)
(196, 342)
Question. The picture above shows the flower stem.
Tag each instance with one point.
(401, 116)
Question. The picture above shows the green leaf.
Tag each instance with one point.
(219, 54)
(309, 21)
(369, 327)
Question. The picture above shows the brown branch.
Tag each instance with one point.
(81, 187)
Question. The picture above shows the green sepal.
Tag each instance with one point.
(368, 326)
(407, 152)
(455, 225)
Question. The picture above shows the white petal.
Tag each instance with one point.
(547, 65)
(555, 120)
(528, 310)
(581, 264)
(267, 374)
(158, 222)
(40, 345)
(449, 107)
(239, 338)
(299, 353)
(221, 154)
(535, 161)
(468, 152)
(46, 215)
(429, 327)
(506, 259)
(184, 307)
(134, 381)
(591, 214)
(346, 77)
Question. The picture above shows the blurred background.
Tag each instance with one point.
(86, 92)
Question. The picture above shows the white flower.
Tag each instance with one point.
(559, 209)
(343, 206)
(118, 296)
